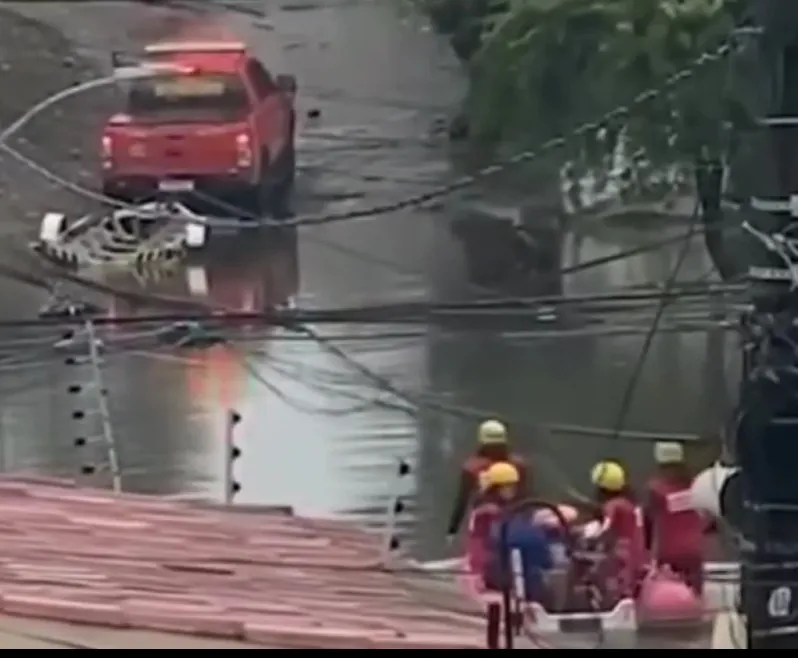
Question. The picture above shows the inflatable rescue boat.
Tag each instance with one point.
(577, 600)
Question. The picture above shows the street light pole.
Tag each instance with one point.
(119, 74)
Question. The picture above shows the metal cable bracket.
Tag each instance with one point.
(121, 238)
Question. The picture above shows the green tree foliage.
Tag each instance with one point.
(545, 65)
(539, 68)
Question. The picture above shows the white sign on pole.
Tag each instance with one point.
(780, 602)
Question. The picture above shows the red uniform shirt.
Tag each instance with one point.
(479, 526)
(624, 520)
(677, 528)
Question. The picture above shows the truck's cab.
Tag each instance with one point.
(215, 128)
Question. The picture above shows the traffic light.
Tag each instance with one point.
(232, 453)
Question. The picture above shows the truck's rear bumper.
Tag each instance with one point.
(136, 187)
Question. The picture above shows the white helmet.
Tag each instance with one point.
(492, 432)
(706, 492)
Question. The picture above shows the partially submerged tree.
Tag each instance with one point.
(545, 65)
(540, 68)
(463, 21)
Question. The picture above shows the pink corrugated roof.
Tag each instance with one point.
(86, 556)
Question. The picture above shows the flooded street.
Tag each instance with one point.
(316, 433)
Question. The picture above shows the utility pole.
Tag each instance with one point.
(94, 360)
(396, 506)
(765, 179)
(231, 454)
(102, 406)
(767, 451)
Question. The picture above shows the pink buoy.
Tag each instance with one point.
(664, 598)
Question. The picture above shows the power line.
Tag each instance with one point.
(61, 348)
(620, 255)
(433, 403)
(631, 387)
(388, 314)
(197, 310)
(411, 401)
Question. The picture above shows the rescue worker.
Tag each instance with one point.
(674, 530)
(501, 484)
(494, 484)
(621, 524)
(498, 488)
(492, 448)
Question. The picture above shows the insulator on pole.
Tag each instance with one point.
(396, 506)
(99, 394)
(231, 454)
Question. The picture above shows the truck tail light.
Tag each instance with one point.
(243, 151)
(107, 152)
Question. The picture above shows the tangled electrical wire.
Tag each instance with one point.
(591, 309)
(408, 402)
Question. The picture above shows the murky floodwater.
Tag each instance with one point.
(316, 433)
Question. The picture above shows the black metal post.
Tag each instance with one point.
(768, 453)
(507, 582)
(766, 179)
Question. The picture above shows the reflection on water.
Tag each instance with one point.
(255, 273)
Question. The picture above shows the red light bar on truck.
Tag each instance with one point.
(150, 70)
(195, 47)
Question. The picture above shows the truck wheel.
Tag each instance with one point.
(281, 191)
(255, 201)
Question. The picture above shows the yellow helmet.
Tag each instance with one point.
(499, 474)
(608, 475)
(492, 432)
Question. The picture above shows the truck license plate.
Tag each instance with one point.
(176, 185)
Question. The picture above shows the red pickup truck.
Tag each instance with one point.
(218, 131)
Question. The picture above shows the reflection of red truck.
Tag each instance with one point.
(239, 278)
(247, 280)
(218, 128)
